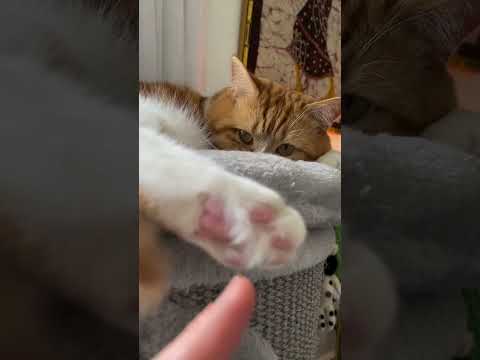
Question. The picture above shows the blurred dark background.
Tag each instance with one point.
(410, 199)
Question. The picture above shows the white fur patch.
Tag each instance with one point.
(168, 119)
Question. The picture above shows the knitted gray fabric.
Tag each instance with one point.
(287, 312)
(289, 300)
(312, 188)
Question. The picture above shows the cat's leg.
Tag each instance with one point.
(153, 267)
(239, 222)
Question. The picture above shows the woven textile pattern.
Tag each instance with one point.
(287, 313)
(309, 44)
(300, 45)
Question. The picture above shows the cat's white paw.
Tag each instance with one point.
(245, 225)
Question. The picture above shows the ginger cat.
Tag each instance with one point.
(222, 213)
(254, 114)
(238, 222)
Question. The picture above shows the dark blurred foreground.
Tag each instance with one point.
(68, 181)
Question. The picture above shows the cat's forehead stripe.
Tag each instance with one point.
(281, 122)
(277, 107)
(271, 124)
(255, 125)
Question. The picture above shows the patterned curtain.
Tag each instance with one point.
(296, 44)
(309, 44)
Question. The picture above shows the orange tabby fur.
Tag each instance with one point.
(391, 85)
(153, 267)
(272, 114)
(153, 264)
(181, 96)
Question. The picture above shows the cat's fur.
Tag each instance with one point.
(273, 116)
(174, 119)
(237, 221)
(394, 80)
(268, 114)
(390, 84)
(68, 215)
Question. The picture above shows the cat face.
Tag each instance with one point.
(389, 84)
(255, 114)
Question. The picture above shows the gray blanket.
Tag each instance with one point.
(311, 187)
(415, 205)
(314, 190)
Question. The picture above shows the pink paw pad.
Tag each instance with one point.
(262, 214)
(279, 259)
(212, 224)
(283, 244)
(235, 260)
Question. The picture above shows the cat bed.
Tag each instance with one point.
(290, 312)
(410, 186)
(414, 204)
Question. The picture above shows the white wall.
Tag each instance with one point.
(189, 42)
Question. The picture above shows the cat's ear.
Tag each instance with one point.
(242, 83)
(325, 112)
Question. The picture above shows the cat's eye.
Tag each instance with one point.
(245, 137)
(285, 150)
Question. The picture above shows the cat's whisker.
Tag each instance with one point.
(393, 24)
(298, 118)
(365, 70)
(295, 133)
(378, 62)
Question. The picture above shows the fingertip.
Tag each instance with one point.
(240, 286)
(227, 318)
